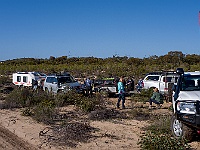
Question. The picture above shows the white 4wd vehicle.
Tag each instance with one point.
(61, 83)
(185, 121)
(161, 80)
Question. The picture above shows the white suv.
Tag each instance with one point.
(162, 81)
(58, 83)
(185, 121)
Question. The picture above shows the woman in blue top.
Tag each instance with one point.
(121, 92)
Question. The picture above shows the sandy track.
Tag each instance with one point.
(10, 141)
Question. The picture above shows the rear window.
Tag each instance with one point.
(152, 78)
(66, 79)
(51, 79)
(170, 79)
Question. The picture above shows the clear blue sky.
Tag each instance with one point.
(99, 28)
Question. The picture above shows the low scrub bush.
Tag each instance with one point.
(158, 136)
(144, 96)
(152, 141)
(106, 114)
(18, 98)
(42, 106)
(85, 103)
(25, 97)
(45, 111)
(139, 114)
(89, 104)
(4, 80)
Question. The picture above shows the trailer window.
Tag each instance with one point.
(18, 78)
(25, 78)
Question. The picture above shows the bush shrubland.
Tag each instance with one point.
(43, 107)
(157, 136)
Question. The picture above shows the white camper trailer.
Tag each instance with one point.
(25, 78)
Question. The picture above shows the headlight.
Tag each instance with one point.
(186, 107)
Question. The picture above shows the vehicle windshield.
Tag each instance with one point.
(191, 83)
(66, 79)
(108, 82)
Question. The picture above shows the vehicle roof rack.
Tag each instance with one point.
(60, 74)
(161, 73)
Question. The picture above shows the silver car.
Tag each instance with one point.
(61, 83)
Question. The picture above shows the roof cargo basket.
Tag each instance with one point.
(161, 73)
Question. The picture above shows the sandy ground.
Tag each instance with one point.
(111, 135)
(126, 132)
(18, 132)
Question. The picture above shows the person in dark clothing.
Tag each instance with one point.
(88, 85)
(156, 98)
(34, 84)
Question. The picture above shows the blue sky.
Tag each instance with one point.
(98, 28)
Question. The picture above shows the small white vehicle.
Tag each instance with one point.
(61, 83)
(161, 80)
(26, 78)
(185, 121)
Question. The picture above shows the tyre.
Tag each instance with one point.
(181, 130)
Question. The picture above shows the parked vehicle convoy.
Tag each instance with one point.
(27, 79)
(108, 86)
(162, 80)
(61, 83)
(185, 122)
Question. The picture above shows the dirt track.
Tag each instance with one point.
(9, 141)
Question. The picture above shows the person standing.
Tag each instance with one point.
(34, 84)
(88, 84)
(139, 86)
(121, 92)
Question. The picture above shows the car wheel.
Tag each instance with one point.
(181, 130)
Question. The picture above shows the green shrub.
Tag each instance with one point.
(144, 96)
(85, 103)
(44, 111)
(19, 97)
(160, 124)
(158, 136)
(89, 104)
(69, 98)
(152, 141)
(27, 112)
(139, 114)
(4, 80)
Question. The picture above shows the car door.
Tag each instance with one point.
(54, 85)
(163, 84)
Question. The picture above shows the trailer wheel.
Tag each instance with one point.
(181, 130)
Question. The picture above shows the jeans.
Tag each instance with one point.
(154, 101)
(88, 90)
(121, 97)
